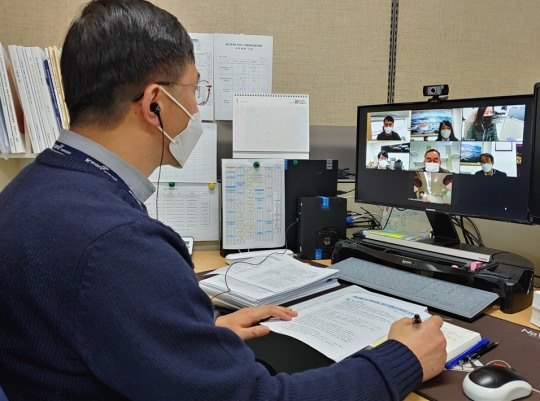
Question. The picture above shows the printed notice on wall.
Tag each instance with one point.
(203, 47)
(242, 64)
(189, 209)
(253, 203)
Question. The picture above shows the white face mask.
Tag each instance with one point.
(432, 167)
(383, 163)
(445, 133)
(183, 144)
(487, 167)
(388, 130)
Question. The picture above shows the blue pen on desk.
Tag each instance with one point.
(470, 351)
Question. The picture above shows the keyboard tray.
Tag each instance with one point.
(449, 298)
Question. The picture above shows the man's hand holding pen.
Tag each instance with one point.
(425, 340)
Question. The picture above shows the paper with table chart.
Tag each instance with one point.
(271, 125)
(253, 203)
(189, 209)
(345, 321)
(201, 165)
(242, 64)
(203, 47)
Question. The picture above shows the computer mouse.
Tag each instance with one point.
(495, 383)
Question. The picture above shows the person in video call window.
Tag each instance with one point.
(388, 133)
(103, 304)
(446, 132)
(432, 162)
(382, 161)
(483, 128)
(487, 161)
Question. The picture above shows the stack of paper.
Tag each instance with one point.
(272, 280)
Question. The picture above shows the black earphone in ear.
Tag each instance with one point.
(154, 108)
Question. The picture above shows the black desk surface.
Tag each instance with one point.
(518, 346)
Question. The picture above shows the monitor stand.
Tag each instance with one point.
(443, 231)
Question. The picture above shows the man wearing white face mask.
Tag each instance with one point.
(487, 161)
(382, 161)
(432, 162)
(183, 143)
(388, 133)
(99, 301)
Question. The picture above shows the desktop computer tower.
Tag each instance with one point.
(322, 222)
(306, 178)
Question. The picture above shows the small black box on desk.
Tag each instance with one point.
(322, 221)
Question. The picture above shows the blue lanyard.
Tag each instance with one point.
(77, 154)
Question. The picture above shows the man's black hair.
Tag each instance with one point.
(417, 182)
(432, 150)
(382, 153)
(389, 118)
(112, 51)
(489, 156)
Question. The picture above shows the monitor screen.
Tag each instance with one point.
(469, 157)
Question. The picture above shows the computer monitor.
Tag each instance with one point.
(535, 193)
(469, 157)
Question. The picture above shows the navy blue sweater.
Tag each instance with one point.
(98, 301)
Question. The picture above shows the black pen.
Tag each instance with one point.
(482, 351)
(416, 319)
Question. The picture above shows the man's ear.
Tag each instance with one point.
(151, 107)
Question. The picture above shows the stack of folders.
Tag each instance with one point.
(275, 279)
(31, 98)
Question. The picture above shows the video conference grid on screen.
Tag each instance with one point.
(438, 143)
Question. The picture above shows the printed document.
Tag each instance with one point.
(189, 209)
(253, 203)
(242, 64)
(347, 320)
(203, 47)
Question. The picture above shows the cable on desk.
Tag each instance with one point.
(277, 252)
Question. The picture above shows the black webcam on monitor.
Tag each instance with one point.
(436, 91)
